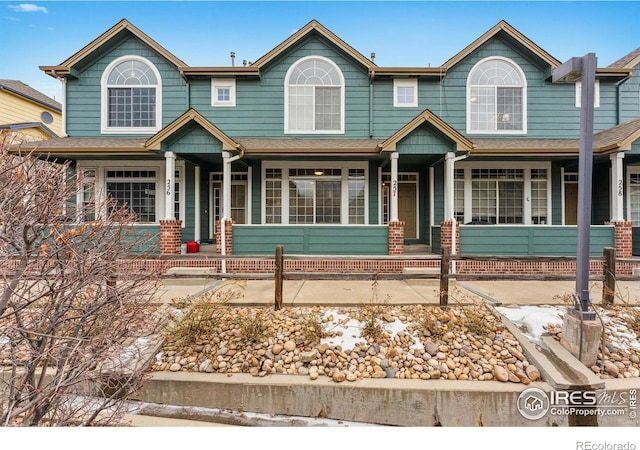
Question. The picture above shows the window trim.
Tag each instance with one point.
(524, 98)
(287, 129)
(631, 170)
(218, 83)
(104, 97)
(596, 94)
(344, 190)
(468, 166)
(409, 82)
(101, 167)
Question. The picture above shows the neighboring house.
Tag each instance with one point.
(316, 147)
(27, 114)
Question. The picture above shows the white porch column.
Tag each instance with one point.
(170, 173)
(394, 188)
(196, 200)
(449, 164)
(617, 187)
(226, 187)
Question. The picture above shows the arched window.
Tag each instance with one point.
(496, 97)
(131, 96)
(314, 97)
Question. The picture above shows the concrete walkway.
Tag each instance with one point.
(352, 292)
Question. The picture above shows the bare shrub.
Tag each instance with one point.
(74, 322)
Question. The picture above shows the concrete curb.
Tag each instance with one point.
(375, 401)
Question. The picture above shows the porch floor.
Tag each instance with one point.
(410, 249)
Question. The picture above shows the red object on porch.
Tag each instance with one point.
(193, 247)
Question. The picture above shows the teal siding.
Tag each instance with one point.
(374, 203)
(435, 240)
(629, 100)
(600, 193)
(438, 198)
(556, 194)
(311, 240)
(83, 106)
(194, 139)
(259, 110)
(146, 238)
(550, 107)
(531, 241)
(425, 140)
(256, 192)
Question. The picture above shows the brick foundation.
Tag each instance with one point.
(396, 238)
(445, 236)
(623, 239)
(170, 237)
(228, 237)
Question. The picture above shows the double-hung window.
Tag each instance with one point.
(131, 96)
(314, 97)
(496, 97)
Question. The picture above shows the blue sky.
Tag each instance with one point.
(414, 33)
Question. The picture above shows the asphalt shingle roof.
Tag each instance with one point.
(24, 90)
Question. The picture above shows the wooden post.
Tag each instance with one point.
(278, 276)
(609, 285)
(444, 276)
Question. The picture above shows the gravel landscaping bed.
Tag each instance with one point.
(372, 341)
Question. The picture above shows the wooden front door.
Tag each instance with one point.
(571, 203)
(407, 199)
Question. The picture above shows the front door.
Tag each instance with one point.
(239, 200)
(407, 199)
(571, 203)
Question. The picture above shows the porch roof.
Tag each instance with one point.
(89, 146)
(310, 146)
(614, 139)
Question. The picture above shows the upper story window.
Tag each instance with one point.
(314, 97)
(223, 92)
(405, 93)
(131, 96)
(596, 94)
(496, 98)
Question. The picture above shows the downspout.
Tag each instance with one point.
(64, 106)
(227, 160)
(371, 104)
(450, 160)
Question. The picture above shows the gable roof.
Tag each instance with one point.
(619, 137)
(313, 26)
(504, 27)
(153, 143)
(627, 61)
(17, 87)
(66, 67)
(427, 117)
(29, 125)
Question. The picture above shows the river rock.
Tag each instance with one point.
(339, 376)
(532, 372)
(431, 348)
(611, 369)
(500, 373)
(277, 349)
(290, 346)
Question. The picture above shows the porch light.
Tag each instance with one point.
(318, 172)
